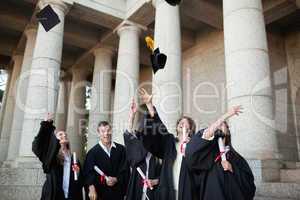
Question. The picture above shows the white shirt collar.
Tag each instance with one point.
(107, 150)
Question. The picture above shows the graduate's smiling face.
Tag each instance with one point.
(105, 134)
(181, 124)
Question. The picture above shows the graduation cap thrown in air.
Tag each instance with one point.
(48, 18)
(173, 2)
(158, 59)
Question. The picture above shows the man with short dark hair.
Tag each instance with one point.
(108, 158)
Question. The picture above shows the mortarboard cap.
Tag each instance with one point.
(48, 18)
(158, 59)
(173, 2)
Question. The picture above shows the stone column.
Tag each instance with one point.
(76, 110)
(62, 105)
(4, 98)
(249, 84)
(101, 92)
(21, 94)
(167, 83)
(127, 77)
(10, 107)
(43, 79)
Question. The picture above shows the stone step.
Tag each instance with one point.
(278, 191)
(21, 176)
(290, 165)
(20, 192)
(290, 175)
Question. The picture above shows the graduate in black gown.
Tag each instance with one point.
(53, 150)
(227, 174)
(110, 158)
(138, 156)
(164, 145)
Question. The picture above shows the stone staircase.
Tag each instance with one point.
(287, 189)
(25, 183)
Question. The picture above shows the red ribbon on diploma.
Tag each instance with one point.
(219, 156)
(182, 147)
(102, 179)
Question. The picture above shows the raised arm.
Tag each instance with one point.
(210, 131)
(45, 145)
(135, 150)
(155, 134)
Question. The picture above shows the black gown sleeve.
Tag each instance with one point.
(123, 172)
(155, 136)
(199, 154)
(135, 150)
(88, 171)
(46, 146)
(243, 174)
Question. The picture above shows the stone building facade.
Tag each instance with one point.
(220, 53)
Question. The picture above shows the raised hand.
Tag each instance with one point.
(145, 96)
(49, 117)
(235, 110)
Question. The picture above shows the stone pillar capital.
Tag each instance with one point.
(106, 50)
(79, 72)
(59, 4)
(17, 57)
(64, 77)
(126, 26)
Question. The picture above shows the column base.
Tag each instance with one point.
(21, 180)
(265, 170)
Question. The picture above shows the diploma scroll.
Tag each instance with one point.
(100, 172)
(143, 176)
(75, 164)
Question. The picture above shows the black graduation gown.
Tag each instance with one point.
(162, 144)
(115, 166)
(136, 156)
(46, 147)
(219, 184)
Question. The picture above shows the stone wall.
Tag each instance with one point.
(204, 83)
(292, 46)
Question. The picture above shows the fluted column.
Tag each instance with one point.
(101, 92)
(62, 105)
(4, 98)
(76, 110)
(248, 80)
(21, 94)
(167, 83)
(10, 107)
(127, 77)
(43, 80)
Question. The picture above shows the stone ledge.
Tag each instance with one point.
(280, 191)
(21, 176)
(20, 192)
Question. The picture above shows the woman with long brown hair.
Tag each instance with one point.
(63, 177)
